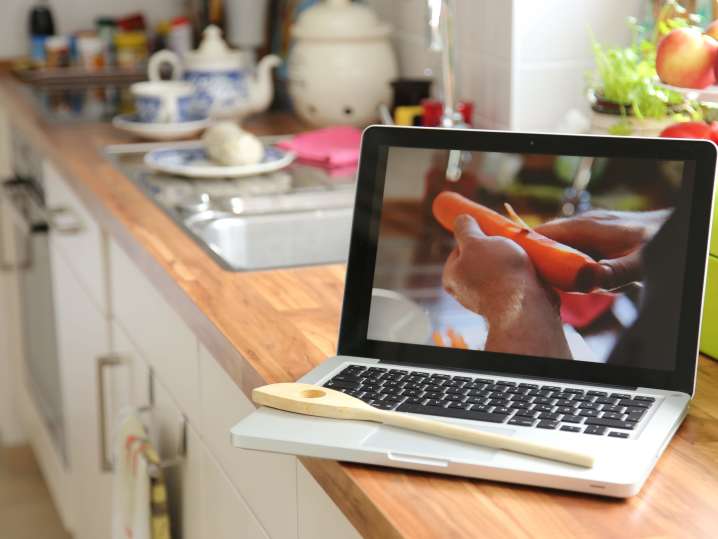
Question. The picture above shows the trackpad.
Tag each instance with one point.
(404, 445)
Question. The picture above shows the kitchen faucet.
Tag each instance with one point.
(442, 38)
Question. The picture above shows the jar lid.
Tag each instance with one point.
(130, 39)
(339, 19)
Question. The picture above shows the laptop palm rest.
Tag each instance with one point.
(418, 448)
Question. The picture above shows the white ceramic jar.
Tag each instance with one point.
(341, 64)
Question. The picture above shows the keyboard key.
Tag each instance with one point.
(501, 410)
(613, 423)
(588, 413)
(521, 421)
(595, 429)
(434, 402)
(569, 428)
(457, 405)
(645, 399)
(543, 400)
(475, 400)
(612, 415)
(634, 416)
(480, 408)
(597, 393)
(634, 403)
(449, 412)
(521, 398)
(461, 378)
(606, 400)
(565, 410)
(483, 381)
(498, 402)
(618, 434)
(526, 413)
(530, 386)
(505, 383)
(565, 403)
(574, 391)
(550, 388)
(334, 384)
(589, 406)
(547, 424)
(620, 395)
(635, 410)
(496, 387)
(543, 408)
(548, 415)
(618, 409)
(519, 405)
(572, 419)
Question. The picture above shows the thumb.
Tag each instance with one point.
(466, 228)
(619, 272)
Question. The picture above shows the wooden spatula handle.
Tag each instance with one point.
(477, 437)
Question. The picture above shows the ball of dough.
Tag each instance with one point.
(228, 144)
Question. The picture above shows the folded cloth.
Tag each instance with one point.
(330, 147)
(139, 492)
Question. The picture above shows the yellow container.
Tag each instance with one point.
(709, 327)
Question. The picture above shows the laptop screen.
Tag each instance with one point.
(578, 258)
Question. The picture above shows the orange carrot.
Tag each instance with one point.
(559, 265)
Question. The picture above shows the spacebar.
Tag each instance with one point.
(452, 412)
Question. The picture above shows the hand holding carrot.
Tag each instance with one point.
(494, 277)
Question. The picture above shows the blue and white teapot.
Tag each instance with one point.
(225, 86)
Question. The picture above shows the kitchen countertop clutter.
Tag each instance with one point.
(274, 326)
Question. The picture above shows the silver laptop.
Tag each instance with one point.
(545, 287)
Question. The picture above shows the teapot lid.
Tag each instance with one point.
(213, 52)
(339, 19)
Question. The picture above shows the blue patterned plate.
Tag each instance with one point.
(193, 162)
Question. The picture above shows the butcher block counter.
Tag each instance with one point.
(275, 326)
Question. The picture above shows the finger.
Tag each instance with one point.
(447, 276)
(466, 228)
(621, 271)
(561, 230)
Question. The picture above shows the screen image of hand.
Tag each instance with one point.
(616, 239)
(494, 277)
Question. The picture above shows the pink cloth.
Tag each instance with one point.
(331, 147)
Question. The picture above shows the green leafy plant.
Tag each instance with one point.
(627, 77)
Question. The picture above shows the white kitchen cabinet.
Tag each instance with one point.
(83, 337)
(159, 334)
(319, 517)
(82, 243)
(267, 481)
(225, 513)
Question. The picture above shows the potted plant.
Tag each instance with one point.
(625, 94)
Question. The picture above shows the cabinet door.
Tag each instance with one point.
(319, 517)
(83, 337)
(177, 441)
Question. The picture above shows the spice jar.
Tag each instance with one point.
(131, 49)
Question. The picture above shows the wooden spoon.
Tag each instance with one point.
(323, 402)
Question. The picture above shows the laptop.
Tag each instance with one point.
(468, 301)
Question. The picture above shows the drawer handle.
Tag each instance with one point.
(106, 464)
(104, 363)
(64, 220)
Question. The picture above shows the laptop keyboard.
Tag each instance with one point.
(569, 409)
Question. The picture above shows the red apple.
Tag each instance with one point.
(686, 58)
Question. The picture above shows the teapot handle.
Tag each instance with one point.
(164, 57)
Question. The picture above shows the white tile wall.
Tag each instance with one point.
(523, 62)
(72, 15)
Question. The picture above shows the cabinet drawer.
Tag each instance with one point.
(82, 248)
(158, 333)
(319, 517)
(709, 335)
(225, 514)
(266, 481)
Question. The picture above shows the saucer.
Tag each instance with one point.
(193, 162)
(160, 131)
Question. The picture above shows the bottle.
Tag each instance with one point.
(40, 26)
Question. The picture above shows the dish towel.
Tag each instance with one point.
(139, 492)
(331, 147)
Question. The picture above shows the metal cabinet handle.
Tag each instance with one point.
(103, 363)
(64, 220)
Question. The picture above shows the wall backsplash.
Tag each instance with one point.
(72, 15)
(523, 62)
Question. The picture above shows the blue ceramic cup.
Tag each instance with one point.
(164, 101)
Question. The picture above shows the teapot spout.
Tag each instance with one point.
(261, 86)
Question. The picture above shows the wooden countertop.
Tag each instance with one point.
(277, 325)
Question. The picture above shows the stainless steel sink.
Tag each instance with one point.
(295, 217)
(264, 241)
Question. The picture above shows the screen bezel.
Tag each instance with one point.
(376, 140)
